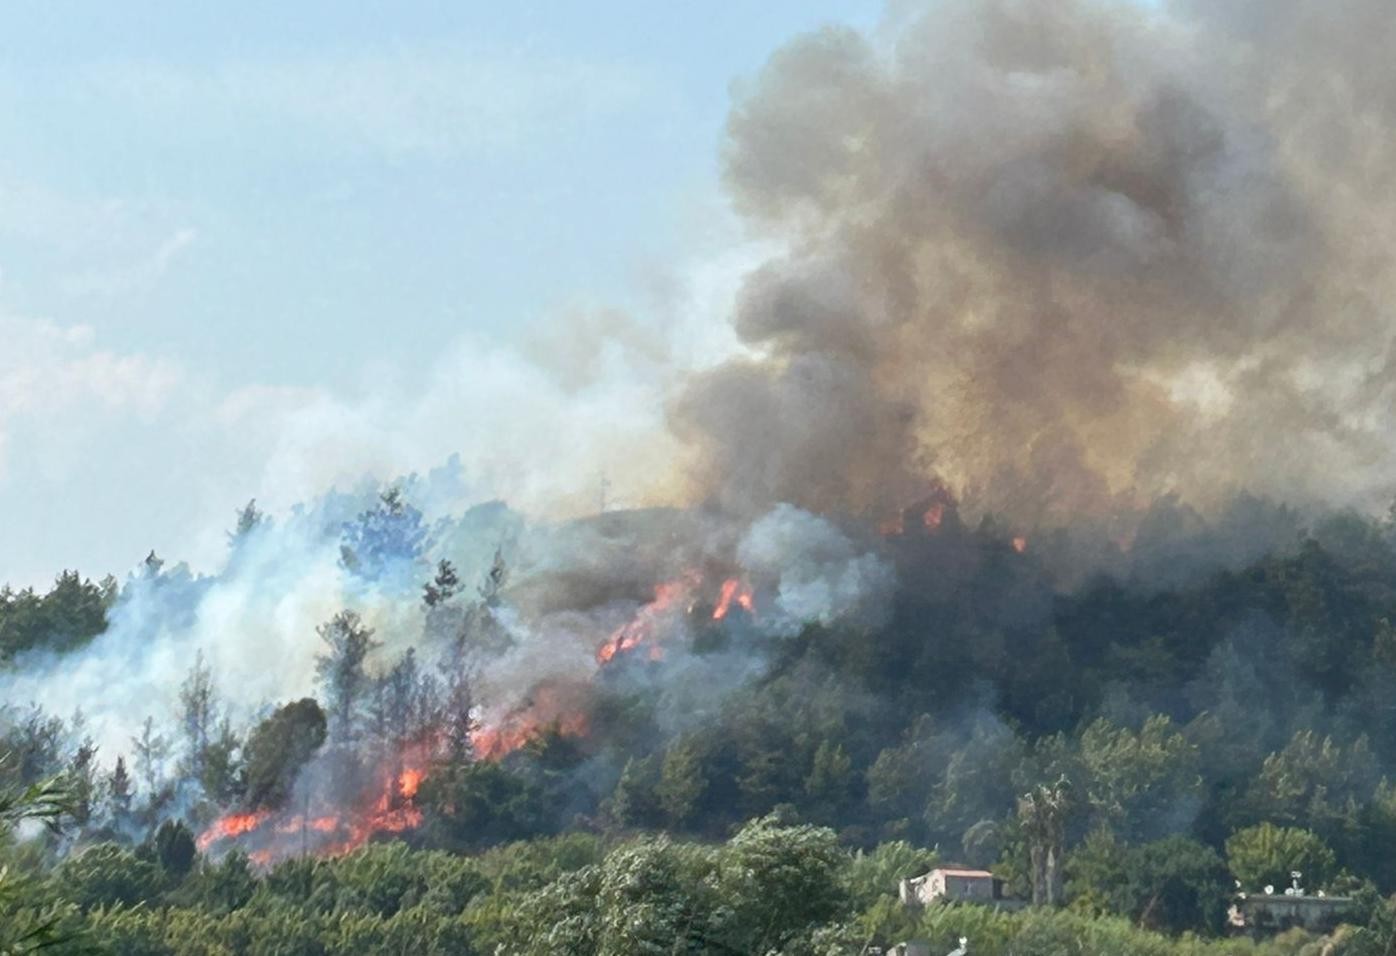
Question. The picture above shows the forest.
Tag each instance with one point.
(1209, 700)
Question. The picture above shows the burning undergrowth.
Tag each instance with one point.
(492, 673)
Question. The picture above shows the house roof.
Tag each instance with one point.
(962, 871)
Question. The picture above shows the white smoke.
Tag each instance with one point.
(820, 576)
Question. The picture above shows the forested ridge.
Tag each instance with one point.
(1213, 715)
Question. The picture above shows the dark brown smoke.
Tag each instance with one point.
(1066, 256)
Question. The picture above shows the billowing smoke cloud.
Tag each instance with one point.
(820, 577)
(1067, 256)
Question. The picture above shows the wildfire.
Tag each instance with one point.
(492, 743)
(933, 516)
(388, 804)
(550, 705)
(1020, 544)
(234, 824)
(669, 597)
(733, 592)
(386, 807)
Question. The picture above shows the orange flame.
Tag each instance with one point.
(550, 705)
(644, 627)
(733, 591)
(234, 824)
(274, 837)
(408, 781)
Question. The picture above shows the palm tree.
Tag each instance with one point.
(25, 928)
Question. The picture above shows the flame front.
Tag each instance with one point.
(389, 805)
(551, 705)
(232, 825)
(389, 808)
(736, 592)
(408, 781)
(645, 628)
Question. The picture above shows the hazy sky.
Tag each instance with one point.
(227, 236)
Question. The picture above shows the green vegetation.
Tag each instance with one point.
(72, 612)
(1182, 726)
(771, 888)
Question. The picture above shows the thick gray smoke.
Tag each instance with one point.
(571, 587)
(1066, 255)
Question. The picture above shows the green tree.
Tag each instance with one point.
(221, 779)
(1144, 784)
(151, 750)
(1315, 783)
(198, 714)
(1266, 855)
(683, 781)
(1170, 885)
(28, 920)
(277, 748)
(871, 875)
(174, 849)
(69, 615)
(106, 874)
(478, 804)
(655, 896)
(829, 786)
(343, 674)
(779, 881)
(635, 802)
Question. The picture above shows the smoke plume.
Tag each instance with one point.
(1066, 256)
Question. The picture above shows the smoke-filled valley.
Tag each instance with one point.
(1051, 457)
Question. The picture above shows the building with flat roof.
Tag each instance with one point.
(955, 884)
(1264, 914)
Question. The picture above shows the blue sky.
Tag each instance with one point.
(219, 224)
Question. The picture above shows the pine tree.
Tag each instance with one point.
(250, 518)
(385, 540)
(635, 803)
(82, 773)
(151, 750)
(443, 587)
(119, 791)
(221, 766)
(110, 589)
(198, 712)
(683, 782)
(829, 784)
(343, 673)
(495, 579)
